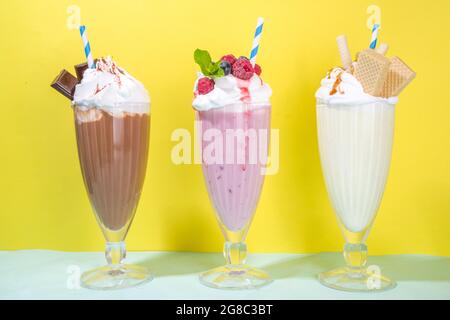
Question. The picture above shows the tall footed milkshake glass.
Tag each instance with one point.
(113, 151)
(233, 108)
(355, 124)
(355, 143)
(234, 182)
(112, 123)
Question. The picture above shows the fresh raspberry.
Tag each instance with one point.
(205, 85)
(257, 69)
(243, 69)
(231, 59)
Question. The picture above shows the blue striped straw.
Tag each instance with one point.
(87, 47)
(373, 41)
(255, 46)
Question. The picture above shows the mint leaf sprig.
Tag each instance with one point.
(208, 67)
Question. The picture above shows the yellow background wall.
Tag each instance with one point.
(43, 200)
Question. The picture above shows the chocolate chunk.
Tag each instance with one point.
(65, 84)
(80, 68)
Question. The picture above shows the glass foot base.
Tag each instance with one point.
(115, 277)
(362, 280)
(235, 278)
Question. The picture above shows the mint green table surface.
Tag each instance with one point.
(41, 274)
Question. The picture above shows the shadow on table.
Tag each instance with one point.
(414, 267)
(399, 267)
(179, 263)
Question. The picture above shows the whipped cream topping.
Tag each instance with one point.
(341, 87)
(112, 89)
(230, 90)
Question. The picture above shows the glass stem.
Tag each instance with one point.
(355, 255)
(235, 253)
(115, 252)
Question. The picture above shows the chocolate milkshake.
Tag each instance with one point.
(113, 157)
(112, 124)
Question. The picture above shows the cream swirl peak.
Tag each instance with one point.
(341, 87)
(230, 81)
(111, 88)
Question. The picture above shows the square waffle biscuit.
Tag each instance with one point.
(399, 76)
(372, 70)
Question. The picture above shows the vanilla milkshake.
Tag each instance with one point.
(355, 124)
(355, 141)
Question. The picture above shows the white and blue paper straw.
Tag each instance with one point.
(373, 41)
(87, 47)
(255, 46)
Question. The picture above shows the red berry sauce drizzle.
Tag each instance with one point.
(245, 98)
(245, 93)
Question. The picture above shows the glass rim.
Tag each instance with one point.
(239, 106)
(353, 104)
(110, 106)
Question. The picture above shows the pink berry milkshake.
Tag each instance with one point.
(233, 110)
(234, 186)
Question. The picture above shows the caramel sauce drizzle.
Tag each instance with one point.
(336, 84)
